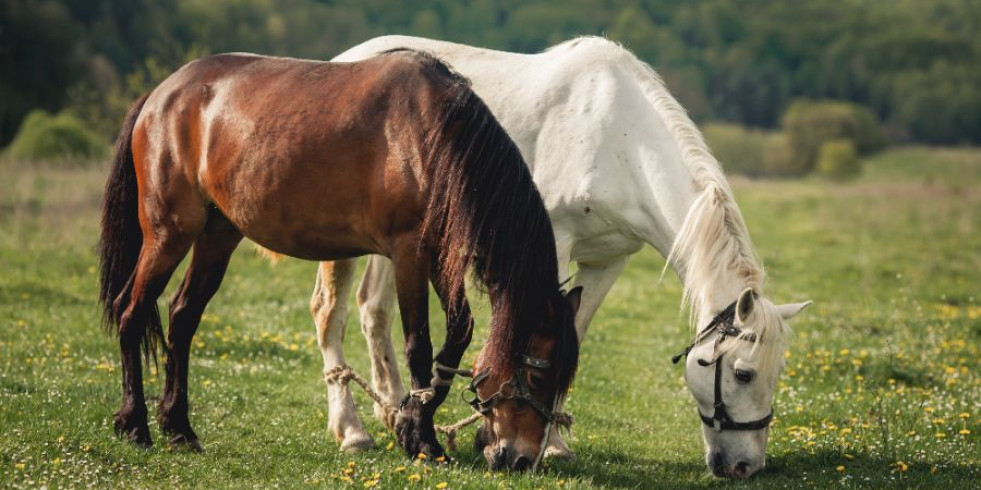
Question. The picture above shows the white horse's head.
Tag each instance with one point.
(732, 370)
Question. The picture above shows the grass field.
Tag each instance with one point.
(882, 387)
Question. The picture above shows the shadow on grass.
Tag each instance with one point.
(618, 469)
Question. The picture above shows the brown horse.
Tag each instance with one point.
(322, 161)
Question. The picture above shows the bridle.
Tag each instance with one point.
(723, 326)
(516, 388)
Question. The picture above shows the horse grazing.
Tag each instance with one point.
(620, 165)
(393, 156)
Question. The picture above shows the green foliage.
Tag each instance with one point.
(778, 157)
(739, 149)
(751, 152)
(809, 124)
(838, 159)
(43, 136)
(915, 63)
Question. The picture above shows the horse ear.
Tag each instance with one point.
(791, 310)
(745, 304)
(574, 297)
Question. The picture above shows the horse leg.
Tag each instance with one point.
(160, 254)
(459, 333)
(212, 251)
(414, 426)
(376, 300)
(329, 307)
(596, 281)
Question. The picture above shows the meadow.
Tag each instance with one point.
(882, 385)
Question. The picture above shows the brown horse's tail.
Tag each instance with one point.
(122, 238)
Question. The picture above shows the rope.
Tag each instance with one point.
(451, 430)
(343, 375)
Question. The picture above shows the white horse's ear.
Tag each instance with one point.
(791, 310)
(745, 304)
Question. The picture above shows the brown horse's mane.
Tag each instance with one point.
(486, 216)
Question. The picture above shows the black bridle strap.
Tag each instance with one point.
(519, 390)
(722, 324)
(724, 319)
(720, 420)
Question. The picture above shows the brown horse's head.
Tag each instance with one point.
(518, 392)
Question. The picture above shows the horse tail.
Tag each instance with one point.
(122, 237)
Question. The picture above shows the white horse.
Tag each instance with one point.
(620, 165)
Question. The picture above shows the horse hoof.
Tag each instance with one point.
(138, 436)
(181, 441)
(357, 443)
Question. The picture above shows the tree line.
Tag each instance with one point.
(914, 64)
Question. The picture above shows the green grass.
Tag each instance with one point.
(882, 379)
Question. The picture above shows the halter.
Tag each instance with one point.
(723, 326)
(516, 388)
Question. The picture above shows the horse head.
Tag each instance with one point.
(518, 392)
(732, 371)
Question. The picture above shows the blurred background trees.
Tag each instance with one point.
(861, 71)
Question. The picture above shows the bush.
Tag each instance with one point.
(43, 136)
(751, 152)
(779, 159)
(739, 149)
(838, 159)
(809, 124)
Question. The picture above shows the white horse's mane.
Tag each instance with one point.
(714, 240)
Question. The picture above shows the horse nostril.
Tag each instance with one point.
(521, 464)
(741, 470)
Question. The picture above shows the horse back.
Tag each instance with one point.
(311, 159)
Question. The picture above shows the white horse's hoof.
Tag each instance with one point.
(356, 443)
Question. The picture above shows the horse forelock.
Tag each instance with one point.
(768, 332)
(487, 217)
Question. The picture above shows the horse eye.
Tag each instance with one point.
(744, 375)
(534, 379)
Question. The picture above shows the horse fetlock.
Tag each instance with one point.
(132, 424)
(415, 431)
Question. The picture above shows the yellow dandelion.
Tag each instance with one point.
(940, 435)
(840, 469)
(965, 415)
(964, 432)
(351, 464)
(390, 446)
(441, 485)
(422, 456)
(414, 477)
(20, 466)
(440, 459)
(400, 469)
(849, 457)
